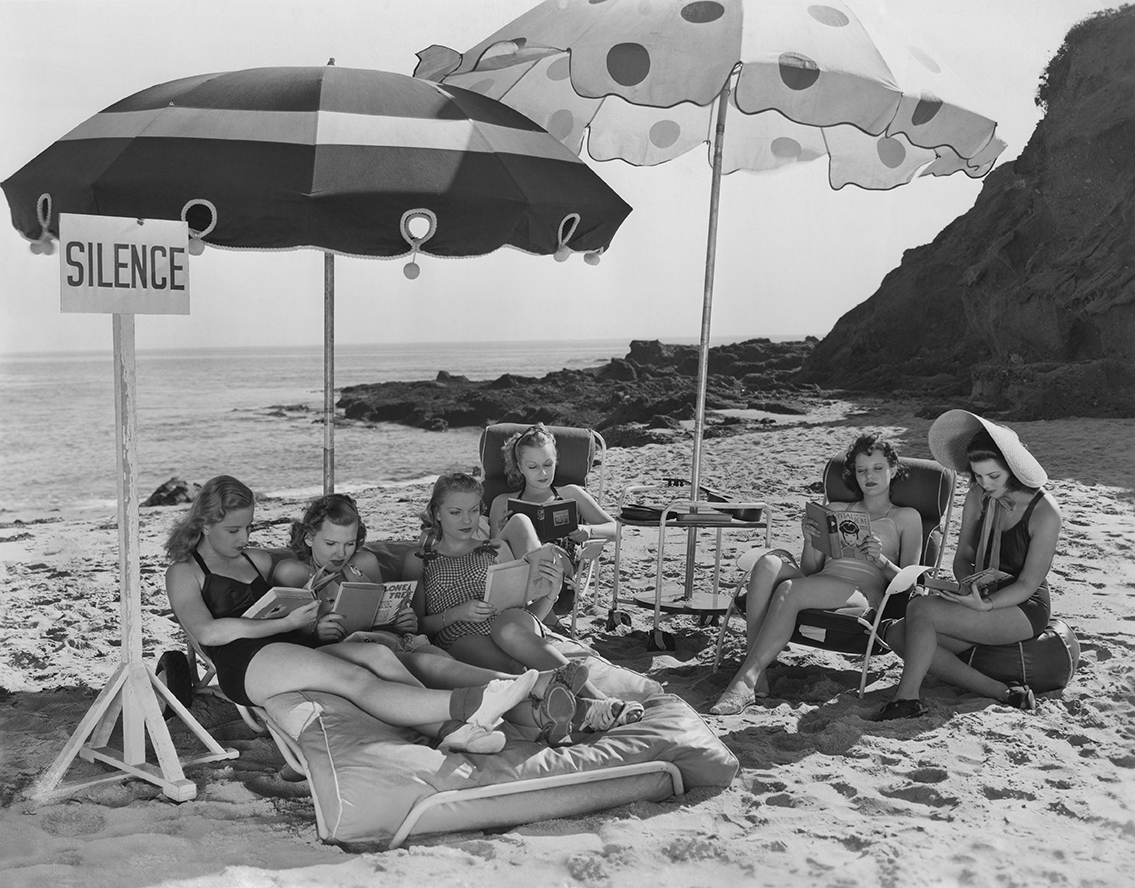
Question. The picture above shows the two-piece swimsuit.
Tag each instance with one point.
(230, 597)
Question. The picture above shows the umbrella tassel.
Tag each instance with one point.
(563, 251)
(411, 268)
(44, 244)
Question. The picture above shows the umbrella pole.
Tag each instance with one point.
(328, 372)
(707, 306)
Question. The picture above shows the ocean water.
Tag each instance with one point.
(204, 412)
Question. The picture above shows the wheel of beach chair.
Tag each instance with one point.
(173, 671)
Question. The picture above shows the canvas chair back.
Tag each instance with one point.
(926, 487)
(578, 452)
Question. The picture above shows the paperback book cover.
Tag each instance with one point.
(365, 605)
(840, 531)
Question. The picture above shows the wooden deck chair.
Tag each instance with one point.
(580, 453)
(927, 487)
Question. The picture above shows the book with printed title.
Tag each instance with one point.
(552, 520)
(841, 531)
(366, 605)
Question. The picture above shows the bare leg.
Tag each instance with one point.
(280, 668)
(932, 635)
(516, 632)
(768, 573)
(520, 535)
(789, 598)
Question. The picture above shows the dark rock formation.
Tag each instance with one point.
(654, 384)
(173, 493)
(1026, 304)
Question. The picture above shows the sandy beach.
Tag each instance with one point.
(972, 794)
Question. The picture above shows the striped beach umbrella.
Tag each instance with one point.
(348, 161)
(324, 157)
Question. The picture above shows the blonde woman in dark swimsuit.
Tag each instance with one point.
(1009, 522)
(779, 588)
(213, 579)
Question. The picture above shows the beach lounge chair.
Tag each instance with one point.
(580, 453)
(927, 487)
(374, 783)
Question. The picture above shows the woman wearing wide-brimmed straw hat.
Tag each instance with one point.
(1009, 522)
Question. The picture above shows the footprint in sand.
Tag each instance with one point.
(921, 795)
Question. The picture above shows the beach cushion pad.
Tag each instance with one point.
(366, 775)
(1044, 663)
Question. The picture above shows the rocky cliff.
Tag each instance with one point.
(1026, 304)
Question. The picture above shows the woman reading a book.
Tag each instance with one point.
(530, 460)
(1009, 523)
(213, 579)
(328, 546)
(452, 568)
(779, 587)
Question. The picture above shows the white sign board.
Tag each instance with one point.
(111, 264)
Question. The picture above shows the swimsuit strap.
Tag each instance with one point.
(205, 568)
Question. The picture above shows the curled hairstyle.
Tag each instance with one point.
(338, 508)
(534, 436)
(982, 447)
(451, 482)
(216, 499)
(868, 444)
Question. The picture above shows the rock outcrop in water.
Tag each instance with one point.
(1026, 304)
(634, 399)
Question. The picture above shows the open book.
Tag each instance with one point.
(518, 583)
(989, 578)
(365, 605)
(553, 520)
(279, 601)
(840, 531)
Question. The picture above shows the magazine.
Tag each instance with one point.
(841, 531)
(552, 520)
(279, 601)
(990, 578)
(365, 605)
(518, 583)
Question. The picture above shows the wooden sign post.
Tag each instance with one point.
(127, 267)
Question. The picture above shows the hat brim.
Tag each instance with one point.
(952, 432)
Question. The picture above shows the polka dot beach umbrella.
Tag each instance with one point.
(349, 161)
(796, 81)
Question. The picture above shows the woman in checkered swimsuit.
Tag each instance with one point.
(449, 601)
(450, 581)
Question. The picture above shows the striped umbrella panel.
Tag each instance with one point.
(323, 157)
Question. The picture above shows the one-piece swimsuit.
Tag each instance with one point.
(1014, 550)
(230, 597)
(866, 575)
(452, 580)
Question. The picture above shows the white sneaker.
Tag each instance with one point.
(500, 696)
(474, 739)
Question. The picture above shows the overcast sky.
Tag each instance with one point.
(793, 255)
